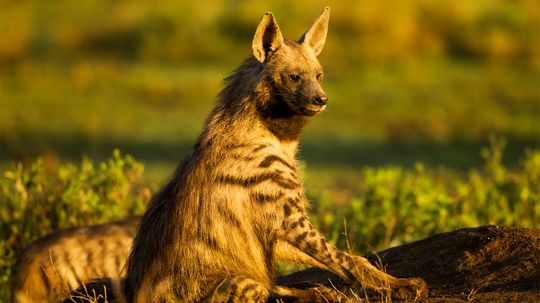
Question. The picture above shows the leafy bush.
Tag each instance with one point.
(397, 205)
(36, 200)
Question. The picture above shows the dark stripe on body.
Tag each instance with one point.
(119, 263)
(236, 146)
(258, 148)
(212, 242)
(68, 258)
(229, 216)
(44, 277)
(273, 158)
(264, 198)
(242, 157)
(90, 256)
(257, 179)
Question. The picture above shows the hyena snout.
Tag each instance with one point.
(315, 104)
(319, 100)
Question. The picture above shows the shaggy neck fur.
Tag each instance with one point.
(249, 92)
(280, 119)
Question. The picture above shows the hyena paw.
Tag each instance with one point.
(325, 294)
(411, 288)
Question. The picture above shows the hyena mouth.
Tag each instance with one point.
(313, 109)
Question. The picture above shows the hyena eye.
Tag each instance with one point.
(319, 76)
(294, 78)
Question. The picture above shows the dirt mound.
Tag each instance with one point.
(484, 264)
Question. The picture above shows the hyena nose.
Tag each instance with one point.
(320, 100)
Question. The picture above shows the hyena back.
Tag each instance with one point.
(53, 266)
(236, 204)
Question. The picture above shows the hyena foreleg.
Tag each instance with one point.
(300, 233)
(245, 290)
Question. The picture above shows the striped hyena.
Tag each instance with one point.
(53, 266)
(236, 204)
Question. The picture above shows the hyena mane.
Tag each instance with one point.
(236, 204)
(54, 265)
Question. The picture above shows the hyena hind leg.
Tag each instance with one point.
(238, 289)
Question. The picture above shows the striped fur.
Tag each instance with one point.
(236, 203)
(52, 266)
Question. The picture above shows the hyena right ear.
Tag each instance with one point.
(315, 36)
(267, 37)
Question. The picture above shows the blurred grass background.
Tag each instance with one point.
(408, 81)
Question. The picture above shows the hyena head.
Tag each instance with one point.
(291, 67)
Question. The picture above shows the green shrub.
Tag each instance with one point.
(38, 199)
(398, 205)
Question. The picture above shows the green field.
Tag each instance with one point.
(417, 81)
(416, 90)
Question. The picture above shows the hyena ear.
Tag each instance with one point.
(316, 34)
(267, 37)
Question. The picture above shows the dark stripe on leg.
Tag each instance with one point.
(301, 237)
(287, 210)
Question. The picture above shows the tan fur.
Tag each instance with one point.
(211, 234)
(53, 266)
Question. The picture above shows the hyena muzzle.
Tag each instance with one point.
(52, 266)
(236, 204)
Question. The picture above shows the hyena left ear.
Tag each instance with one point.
(316, 34)
(267, 37)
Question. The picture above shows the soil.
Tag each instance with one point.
(483, 264)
